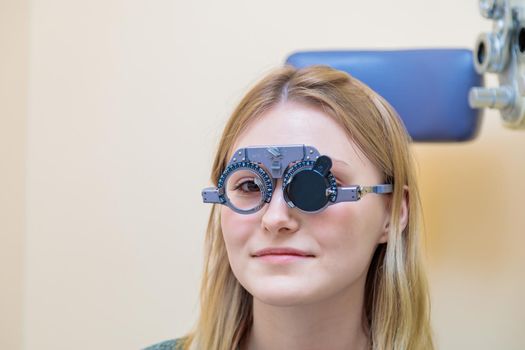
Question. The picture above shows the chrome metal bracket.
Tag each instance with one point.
(502, 52)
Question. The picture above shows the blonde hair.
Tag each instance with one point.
(396, 307)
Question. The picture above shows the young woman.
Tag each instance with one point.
(313, 240)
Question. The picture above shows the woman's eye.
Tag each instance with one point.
(247, 186)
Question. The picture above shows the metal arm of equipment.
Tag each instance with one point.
(502, 51)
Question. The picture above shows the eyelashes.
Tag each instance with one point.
(247, 185)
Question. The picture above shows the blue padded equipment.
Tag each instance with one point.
(428, 88)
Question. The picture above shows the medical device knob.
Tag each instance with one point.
(498, 97)
(491, 53)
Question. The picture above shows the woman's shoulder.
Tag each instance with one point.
(165, 345)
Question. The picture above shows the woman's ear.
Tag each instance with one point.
(403, 216)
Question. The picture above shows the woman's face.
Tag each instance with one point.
(341, 239)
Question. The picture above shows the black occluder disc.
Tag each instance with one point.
(307, 190)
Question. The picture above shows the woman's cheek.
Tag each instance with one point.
(343, 232)
(237, 228)
(338, 222)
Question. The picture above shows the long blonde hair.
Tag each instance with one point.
(396, 307)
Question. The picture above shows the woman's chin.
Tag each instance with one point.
(280, 293)
(282, 300)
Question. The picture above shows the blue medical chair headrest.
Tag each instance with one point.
(428, 88)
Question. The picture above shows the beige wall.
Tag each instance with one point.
(14, 45)
(125, 103)
(474, 201)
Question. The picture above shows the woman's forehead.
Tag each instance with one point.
(295, 123)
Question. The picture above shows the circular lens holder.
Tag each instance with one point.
(267, 188)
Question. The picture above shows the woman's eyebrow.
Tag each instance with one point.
(341, 162)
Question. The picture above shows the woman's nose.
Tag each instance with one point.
(278, 217)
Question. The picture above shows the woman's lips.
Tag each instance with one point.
(282, 255)
(282, 251)
(282, 258)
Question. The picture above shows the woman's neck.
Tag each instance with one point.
(333, 324)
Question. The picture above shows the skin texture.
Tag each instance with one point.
(315, 302)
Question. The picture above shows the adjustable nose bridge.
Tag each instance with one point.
(278, 194)
(276, 166)
(278, 216)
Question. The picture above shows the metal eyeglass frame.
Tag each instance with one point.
(283, 161)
